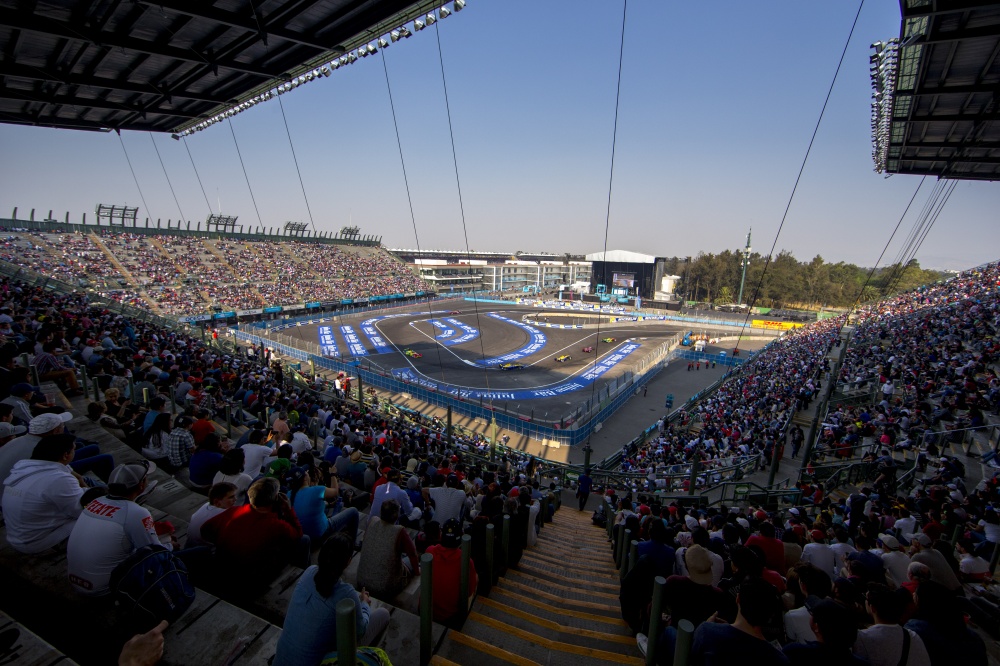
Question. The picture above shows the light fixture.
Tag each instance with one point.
(405, 32)
(444, 12)
(394, 36)
(459, 5)
(344, 60)
(382, 42)
(418, 25)
(325, 70)
(431, 19)
(351, 57)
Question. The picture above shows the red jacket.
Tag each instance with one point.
(254, 543)
(447, 572)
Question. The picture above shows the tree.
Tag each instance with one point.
(725, 296)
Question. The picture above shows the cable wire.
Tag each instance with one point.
(461, 207)
(169, 184)
(607, 217)
(798, 178)
(145, 205)
(198, 176)
(409, 199)
(243, 166)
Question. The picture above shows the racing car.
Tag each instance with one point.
(563, 358)
(512, 366)
(412, 354)
(609, 340)
(454, 312)
(587, 350)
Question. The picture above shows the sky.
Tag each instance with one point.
(718, 101)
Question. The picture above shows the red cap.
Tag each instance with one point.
(760, 514)
(817, 535)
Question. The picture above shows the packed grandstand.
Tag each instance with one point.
(265, 510)
(182, 275)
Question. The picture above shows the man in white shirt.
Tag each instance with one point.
(449, 500)
(20, 448)
(43, 496)
(109, 530)
(883, 643)
(841, 547)
(895, 560)
(256, 454)
(906, 526)
(973, 568)
(815, 585)
(221, 497)
(819, 553)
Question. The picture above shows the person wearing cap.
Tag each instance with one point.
(693, 596)
(818, 552)
(836, 629)
(885, 642)
(87, 458)
(43, 496)
(310, 629)
(110, 529)
(894, 559)
(922, 551)
(447, 572)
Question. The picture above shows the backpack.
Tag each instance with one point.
(152, 585)
(599, 519)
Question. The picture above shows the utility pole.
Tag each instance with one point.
(746, 260)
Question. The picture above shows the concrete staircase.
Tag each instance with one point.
(560, 606)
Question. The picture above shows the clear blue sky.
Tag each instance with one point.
(718, 101)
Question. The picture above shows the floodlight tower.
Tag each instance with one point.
(746, 260)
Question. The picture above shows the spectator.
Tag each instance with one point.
(156, 438)
(391, 490)
(972, 568)
(231, 471)
(20, 399)
(312, 500)
(43, 496)
(815, 586)
(448, 573)
(941, 571)
(180, 444)
(885, 643)
(255, 453)
(720, 644)
(941, 626)
(109, 530)
(221, 497)
(449, 501)
(836, 629)
(254, 542)
(818, 553)
(774, 550)
(310, 629)
(383, 550)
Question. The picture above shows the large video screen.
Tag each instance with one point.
(623, 280)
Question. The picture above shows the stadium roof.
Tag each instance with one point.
(623, 256)
(945, 101)
(168, 65)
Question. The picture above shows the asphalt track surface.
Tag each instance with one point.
(462, 365)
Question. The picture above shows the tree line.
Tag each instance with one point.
(790, 283)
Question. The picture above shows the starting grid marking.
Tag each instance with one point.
(327, 345)
(583, 381)
(353, 341)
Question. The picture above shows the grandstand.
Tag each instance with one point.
(181, 273)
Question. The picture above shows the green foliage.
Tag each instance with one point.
(788, 282)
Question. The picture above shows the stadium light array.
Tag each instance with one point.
(362, 50)
(884, 62)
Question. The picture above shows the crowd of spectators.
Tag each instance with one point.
(180, 275)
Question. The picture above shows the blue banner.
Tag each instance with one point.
(277, 308)
(575, 384)
(353, 341)
(314, 304)
(327, 345)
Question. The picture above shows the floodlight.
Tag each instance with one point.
(431, 19)
(418, 25)
(325, 70)
(382, 42)
(405, 32)
(459, 5)
(344, 60)
(444, 12)
(351, 57)
(394, 35)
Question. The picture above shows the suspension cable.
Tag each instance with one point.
(145, 205)
(169, 184)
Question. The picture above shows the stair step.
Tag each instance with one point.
(599, 552)
(465, 649)
(570, 591)
(606, 569)
(601, 586)
(559, 630)
(526, 588)
(556, 612)
(570, 570)
(542, 648)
